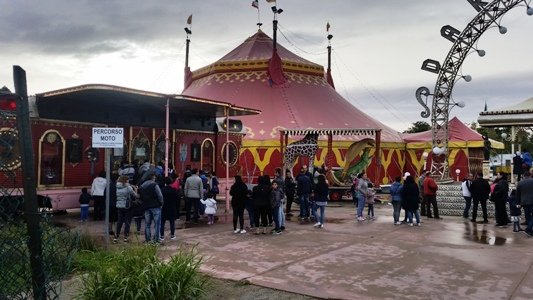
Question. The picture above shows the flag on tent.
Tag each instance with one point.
(189, 20)
(255, 4)
(327, 27)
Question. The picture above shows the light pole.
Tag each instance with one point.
(457, 172)
(507, 138)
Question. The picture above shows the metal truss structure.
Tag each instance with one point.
(464, 43)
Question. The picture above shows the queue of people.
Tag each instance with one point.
(143, 193)
(156, 200)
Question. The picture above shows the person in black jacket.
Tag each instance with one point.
(500, 196)
(290, 190)
(480, 190)
(411, 199)
(171, 200)
(113, 214)
(261, 200)
(238, 193)
(518, 170)
(303, 190)
(152, 200)
(524, 198)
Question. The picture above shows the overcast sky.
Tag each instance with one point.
(378, 47)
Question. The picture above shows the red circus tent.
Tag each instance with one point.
(302, 99)
(459, 135)
(465, 149)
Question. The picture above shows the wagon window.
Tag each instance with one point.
(208, 155)
(140, 148)
(51, 158)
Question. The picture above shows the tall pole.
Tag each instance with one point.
(108, 193)
(275, 33)
(226, 110)
(377, 156)
(167, 115)
(187, 42)
(31, 211)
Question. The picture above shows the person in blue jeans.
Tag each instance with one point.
(85, 199)
(467, 195)
(410, 199)
(362, 188)
(303, 190)
(396, 199)
(152, 199)
(321, 199)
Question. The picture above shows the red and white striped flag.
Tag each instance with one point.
(255, 4)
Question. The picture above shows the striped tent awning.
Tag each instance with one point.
(332, 131)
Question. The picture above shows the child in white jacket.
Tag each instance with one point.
(210, 208)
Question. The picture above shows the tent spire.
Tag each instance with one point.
(188, 74)
(329, 78)
(275, 65)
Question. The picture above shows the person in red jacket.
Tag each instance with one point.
(430, 195)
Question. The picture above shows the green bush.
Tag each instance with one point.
(137, 273)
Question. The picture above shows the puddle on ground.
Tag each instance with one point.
(480, 234)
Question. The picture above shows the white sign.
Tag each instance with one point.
(108, 137)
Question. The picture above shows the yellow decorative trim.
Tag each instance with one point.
(386, 160)
(418, 163)
(253, 65)
(322, 159)
(248, 143)
(458, 145)
(453, 155)
(262, 163)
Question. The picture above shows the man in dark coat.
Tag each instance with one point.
(480, 190)
(518, 169)
(303, 191)
(499, 196)
(171, 200)
(524, 197)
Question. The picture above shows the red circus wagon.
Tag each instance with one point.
(62, 122)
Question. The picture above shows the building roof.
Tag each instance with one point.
(108, 104)
(305, 100)
(520, 114)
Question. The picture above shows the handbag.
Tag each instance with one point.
(128, 202)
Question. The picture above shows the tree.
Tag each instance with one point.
(418, 126)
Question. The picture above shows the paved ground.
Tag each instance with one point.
(442, 259)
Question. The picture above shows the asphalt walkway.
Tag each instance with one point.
(443, 259)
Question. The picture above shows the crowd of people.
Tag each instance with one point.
(144, 193)
(480, 190)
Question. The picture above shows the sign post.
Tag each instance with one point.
(104, 137)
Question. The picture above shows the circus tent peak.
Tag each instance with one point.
(305, 100)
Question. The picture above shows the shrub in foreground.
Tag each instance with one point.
(137, 273)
